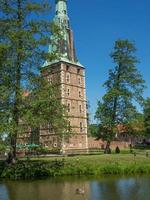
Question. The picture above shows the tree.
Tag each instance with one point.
(44, 103)
(93, 130)
(25, 33)
(136, 126)
(147, 117)
(123, 87)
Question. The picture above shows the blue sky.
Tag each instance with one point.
(96, 25)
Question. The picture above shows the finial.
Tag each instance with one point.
(56, 1)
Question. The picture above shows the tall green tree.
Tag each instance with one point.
(147, 117)
(24, 34)
(124, 87)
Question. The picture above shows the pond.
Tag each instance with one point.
(77, 188)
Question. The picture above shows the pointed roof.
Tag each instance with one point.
(64, 48)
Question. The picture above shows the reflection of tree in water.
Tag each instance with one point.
(3, 192)
(23, 190)
(134, 188)
(104, 189)
(120, 189)
(53, 189)
(65, 189)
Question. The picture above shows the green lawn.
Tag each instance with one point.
(102, 160)
(121, 164)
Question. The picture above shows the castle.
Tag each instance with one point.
(72, 81)
(70, 77)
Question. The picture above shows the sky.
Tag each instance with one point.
(97, 24)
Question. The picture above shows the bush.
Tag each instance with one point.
(117, 150)
(32, 169)
(45, 150)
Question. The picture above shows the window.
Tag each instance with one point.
(55, 144)
(79, 80)
(68, 78)
(78, 71)
(68, 92)
(67, 67)
(69, 126)
(69, 107)
(81, 127)
(80, 108)
(79, 93)
(50, 129)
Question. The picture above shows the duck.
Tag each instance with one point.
(80, 191)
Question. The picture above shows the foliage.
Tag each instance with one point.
(89, 165)
(142, 146)
(117, 150)
(147, 117)
(44, 150)
(93, 130)
(136, 126)
(123, 87)
(32, 169)
(25, 95)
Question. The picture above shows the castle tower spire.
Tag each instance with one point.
(61, 15)
(65, 47)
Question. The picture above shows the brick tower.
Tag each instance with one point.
(70, 75)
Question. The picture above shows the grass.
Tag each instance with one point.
(97, 160)
(123, 164)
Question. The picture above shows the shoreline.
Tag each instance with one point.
(76, 166)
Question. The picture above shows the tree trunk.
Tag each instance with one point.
(116, 97)
(107, 148)
(17, 98)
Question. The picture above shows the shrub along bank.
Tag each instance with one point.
(81, 165)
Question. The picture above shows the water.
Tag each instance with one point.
(110, 188)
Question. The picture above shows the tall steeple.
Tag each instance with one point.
(61, 15)
(64, 47)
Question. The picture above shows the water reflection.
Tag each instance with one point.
(3, 192)
(121, 189)
(136, 188)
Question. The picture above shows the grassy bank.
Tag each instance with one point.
(78, 165)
